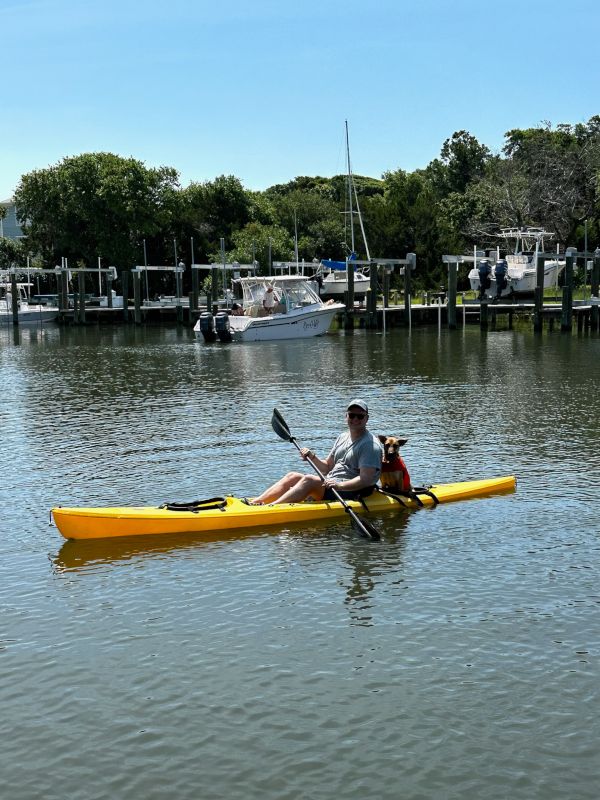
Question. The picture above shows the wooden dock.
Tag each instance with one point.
(487, 315)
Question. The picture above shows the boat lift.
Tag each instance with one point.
(234, 269)
(407, 267)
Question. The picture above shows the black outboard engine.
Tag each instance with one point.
(207, 326)
(501, 272)
(485, 271)
(222, 326)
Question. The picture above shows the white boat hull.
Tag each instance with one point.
(32, 315)
(520, 281)
(336, 283)
(298, 324)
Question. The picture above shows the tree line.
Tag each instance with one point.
(102, 205)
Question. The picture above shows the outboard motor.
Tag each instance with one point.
(501, 271)
(485, 271)
(207, 326)
(222, 326)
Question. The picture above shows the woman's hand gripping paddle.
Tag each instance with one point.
(360, 525)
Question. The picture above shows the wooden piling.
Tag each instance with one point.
(408, 268)
(75, 304)
(137, 298)
(14, 289)
(195, 291)
(348, 319)
(386, 288)
(595, 287)
(109, 283)
(81, 288)
(566, 320)
(125, 288)
(372, 298)
(483, 314)
(59, 289)
(452, 279)
(539, 296)
(350, 278)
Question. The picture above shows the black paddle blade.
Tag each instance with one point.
(365, 528)
(280, 427)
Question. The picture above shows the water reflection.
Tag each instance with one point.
(95, 554)
(369, 565)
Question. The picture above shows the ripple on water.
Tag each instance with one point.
(458, 658)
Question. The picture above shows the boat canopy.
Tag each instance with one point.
(329, 264)
(294, 290)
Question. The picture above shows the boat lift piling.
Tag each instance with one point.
(587, 315)
(538, 295)
(452, 282)
(452, 263)
(566, 322)
(349, 297)
(15, 298)
(408, 265)
(594, 288)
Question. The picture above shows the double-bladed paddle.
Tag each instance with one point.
(361, 526)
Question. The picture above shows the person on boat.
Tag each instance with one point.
(237, 310)
(269, 300)
(352, 466)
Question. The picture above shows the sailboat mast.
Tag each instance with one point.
(349, 187)
(352, 188)
(296, 239)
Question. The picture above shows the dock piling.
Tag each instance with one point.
(15, 298)
(538, 301)
(594, 287)
(81, 291)
(411, 259)
(137, 298)
(566, 321)
(452, 280)
(125, 289)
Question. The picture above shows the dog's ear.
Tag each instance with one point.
(382, 439)
(401, 441)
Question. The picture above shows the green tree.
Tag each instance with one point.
(11, 252)
(96, 204)
(462, 160)
(258, 239)
(562, 169)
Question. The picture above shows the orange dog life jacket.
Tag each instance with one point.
(398, 465)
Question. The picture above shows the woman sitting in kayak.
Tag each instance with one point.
(352, 467)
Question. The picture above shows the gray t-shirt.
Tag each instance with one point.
(350, 456)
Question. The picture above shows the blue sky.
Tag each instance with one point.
(260, 89)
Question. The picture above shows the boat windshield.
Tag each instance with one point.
(293, 294)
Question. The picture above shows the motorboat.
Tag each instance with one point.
(298, 312)
(27, 313)
(516, 273)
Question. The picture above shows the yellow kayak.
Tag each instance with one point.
(232, 513)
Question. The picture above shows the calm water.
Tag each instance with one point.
(459, 658)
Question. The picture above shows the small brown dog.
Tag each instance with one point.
(394, 474)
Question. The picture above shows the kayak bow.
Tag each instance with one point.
(234, 513)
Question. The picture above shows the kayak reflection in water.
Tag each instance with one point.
(352, 467)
